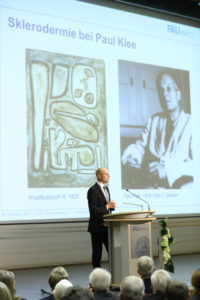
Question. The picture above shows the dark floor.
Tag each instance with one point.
(30, 281)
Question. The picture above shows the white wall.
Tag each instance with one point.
(36, 245)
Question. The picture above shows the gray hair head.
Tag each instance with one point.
(100, 279)
(145, 266)
(60, 287)
(77, 292)
(132, 288)
(160, 280)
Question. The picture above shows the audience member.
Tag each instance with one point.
(177, 290)
(56, 274)
(4, 292)
(8, 278)
(77, 293)
(145, 265)
(100, 280)
(131, 288)
(60, 287)
(195, 281)
(159, 282)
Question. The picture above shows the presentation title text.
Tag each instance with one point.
(96, 37)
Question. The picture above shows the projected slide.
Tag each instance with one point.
(84, 86)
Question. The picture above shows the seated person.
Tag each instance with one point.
(61, 287)
(8, 278)
(100, 280)
(162, 157)
(159, 282)
(131, 288)
(177, 290)
(4, 292)
(77, 292)
(57, 274)
(145, 265)
(195, 281)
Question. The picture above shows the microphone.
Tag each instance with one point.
(139, 198)
(45, 292)
(133, 204)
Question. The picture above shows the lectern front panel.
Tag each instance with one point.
(127, 242)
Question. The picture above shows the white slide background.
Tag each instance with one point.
(34, 49)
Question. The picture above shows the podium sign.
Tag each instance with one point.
(140, 241)
(130, 237)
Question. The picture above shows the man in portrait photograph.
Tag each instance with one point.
(161, 157)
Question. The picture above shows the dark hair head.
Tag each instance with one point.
(166, 82)
(195, 281)
(172, 73)
(177, 290)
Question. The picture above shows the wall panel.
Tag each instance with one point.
(37, 245)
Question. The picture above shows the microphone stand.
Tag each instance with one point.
(133, 204)
(139, 198)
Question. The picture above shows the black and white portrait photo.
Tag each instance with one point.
(155, 127)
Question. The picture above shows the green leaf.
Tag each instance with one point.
(163, 223)
(163, 231)
(169, 266)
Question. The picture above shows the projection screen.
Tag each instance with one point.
(79, 90)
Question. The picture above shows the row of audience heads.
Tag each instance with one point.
(131, 287)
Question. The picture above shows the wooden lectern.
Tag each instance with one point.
(130, 236)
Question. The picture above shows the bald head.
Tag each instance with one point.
(102, 175)
(169, 92)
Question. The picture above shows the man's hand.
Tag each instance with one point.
(127, 155)
(111, 204)
(157, 169)
(132, 156)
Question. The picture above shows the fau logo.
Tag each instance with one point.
(173, 29)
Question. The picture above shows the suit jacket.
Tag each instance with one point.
(176, 156)
(147, 285)
(196, 296)
(50, 297)
(154, 296)
(97, 207)
(106, 295)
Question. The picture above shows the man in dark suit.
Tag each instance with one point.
(99, 204)
(159, 281)
(146, 268)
